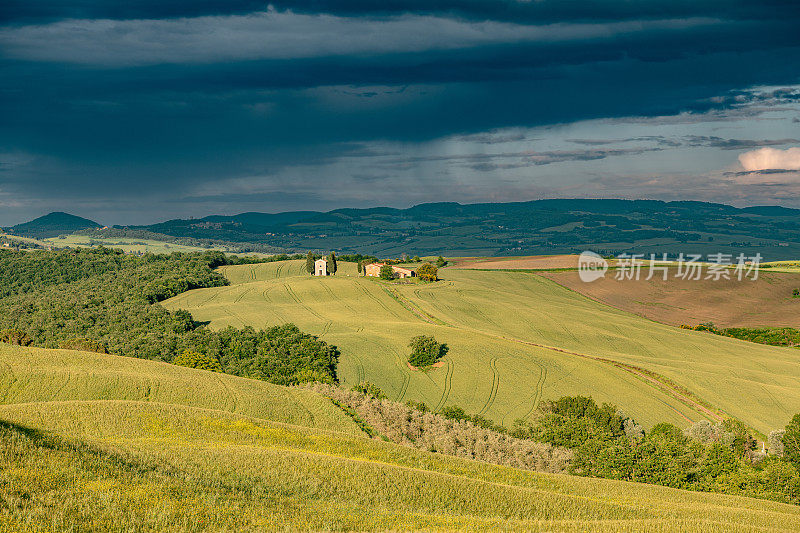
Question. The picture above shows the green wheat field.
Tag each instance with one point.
(515, 339)
(106, 443)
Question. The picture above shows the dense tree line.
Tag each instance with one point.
(772, 336)
(109, 300)
(705, 457)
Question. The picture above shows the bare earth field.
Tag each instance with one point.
(537, 262)
(767, 301)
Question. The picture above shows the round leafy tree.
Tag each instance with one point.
(425, 351)
(387, 272)
(197, 360)
(15, 336)
(427, 272)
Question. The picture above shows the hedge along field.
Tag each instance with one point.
(29, 375)
(372, 323)
(157, 467)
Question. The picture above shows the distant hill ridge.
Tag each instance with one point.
(550, 226)
(52, 225)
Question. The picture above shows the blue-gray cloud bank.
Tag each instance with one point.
(143, 110)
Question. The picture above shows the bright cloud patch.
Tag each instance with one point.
(771, 159)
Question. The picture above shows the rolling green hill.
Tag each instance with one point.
(89, 450)
(31, 375)
(514, 339)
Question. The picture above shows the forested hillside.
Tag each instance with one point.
(517, 228)
(103, 300)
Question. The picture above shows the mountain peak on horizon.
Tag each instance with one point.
(52, 225)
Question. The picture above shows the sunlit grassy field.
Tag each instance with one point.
(30, 375)
(127, 244)
(372, 323)
(487, 318)
(89, 464)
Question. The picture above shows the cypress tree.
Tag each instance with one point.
(310, 263)
(332, 263)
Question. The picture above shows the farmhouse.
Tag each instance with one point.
(321, 267)
(374, 269)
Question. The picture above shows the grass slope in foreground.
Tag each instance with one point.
(92, 464)
(490, 321)
(29, 375)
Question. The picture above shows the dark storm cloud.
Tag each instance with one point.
(539, 12)
(103, 98)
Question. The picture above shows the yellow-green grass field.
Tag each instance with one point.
(126, 244)
(491, 321)
(29, 375)
(90, 463)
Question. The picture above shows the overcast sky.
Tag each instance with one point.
(145, 110)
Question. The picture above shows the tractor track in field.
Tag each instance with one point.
(326, 328)
(539, 390)
(659, 382)
(495, 386)
(297, 299)
(239, 298)
(651, 378)
(377, 300)
(235, 315)
(408, 306)
(404, 387)
(264, 293)
(338, 300)
(415, 309)
(360, 372)
(448, 384)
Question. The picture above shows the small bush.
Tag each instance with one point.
(417, 406)
(454, 412)
(370, 389)
(425, 351)
(197, 360)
